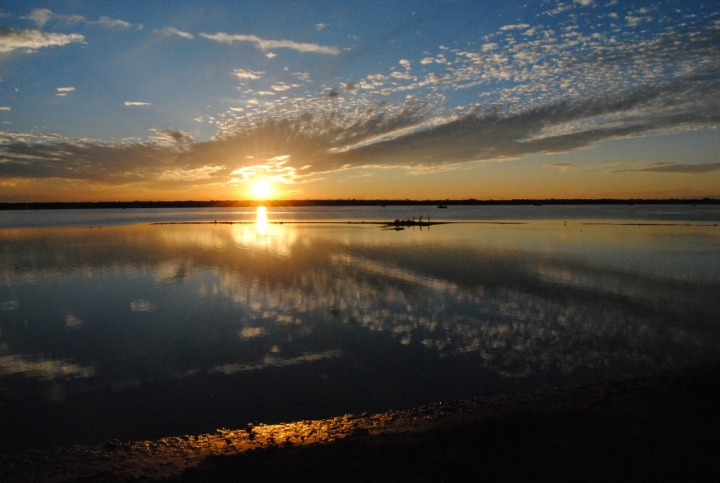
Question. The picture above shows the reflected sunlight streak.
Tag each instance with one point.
(262, 220)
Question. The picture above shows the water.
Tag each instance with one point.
(104, 217)
(136, 331)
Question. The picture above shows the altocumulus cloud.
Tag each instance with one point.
(543, 92)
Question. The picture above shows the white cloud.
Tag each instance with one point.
(584, 2)
(247, 74)
(168, 31)
(634, 21)
(112, 23)
(320, 26)
(4, 108)
(136, 103)
(65, 89)
(41, 16)
(264, 44)
(427, 60)
(270, 55)
(11, 39)
(405, 63)
(513, 27)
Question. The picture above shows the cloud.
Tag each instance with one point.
(320, 26)
(513, 27)
(11, 39)
(136, 103)
(407, 135)
(197, 174)
(270, 55)
(41, 16)
(175, 136)
(566, 167)
(4, 108)
(674, 168)
(168, 31)
(247, 74)
(264, 44)
(112, 23)
(62, 91)
(583, 2)
(551, 91)
(303, 76)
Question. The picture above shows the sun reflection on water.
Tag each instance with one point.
(276, 239)
(261, 221)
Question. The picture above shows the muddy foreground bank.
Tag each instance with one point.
(660, 428)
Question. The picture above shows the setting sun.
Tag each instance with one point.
(261, 189)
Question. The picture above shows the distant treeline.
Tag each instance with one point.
(253, 203)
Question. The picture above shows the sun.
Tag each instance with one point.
(261, 189)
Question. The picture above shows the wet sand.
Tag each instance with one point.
(660, 428)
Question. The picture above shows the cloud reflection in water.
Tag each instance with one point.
(530, 302)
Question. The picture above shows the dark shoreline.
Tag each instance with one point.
(664, 427)
(342, 202)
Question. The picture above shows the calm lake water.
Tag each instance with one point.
(131, 330)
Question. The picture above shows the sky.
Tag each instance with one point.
(445, 99)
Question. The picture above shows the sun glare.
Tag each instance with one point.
(261, 189)
(261, 221)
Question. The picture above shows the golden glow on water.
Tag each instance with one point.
(261, 220)
(276, 239)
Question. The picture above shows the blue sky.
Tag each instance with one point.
(104, 100)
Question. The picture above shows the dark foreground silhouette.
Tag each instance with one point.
(660, 428)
